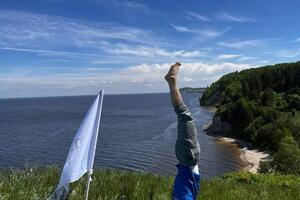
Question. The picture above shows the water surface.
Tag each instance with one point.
(137, 132)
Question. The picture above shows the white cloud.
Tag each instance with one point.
(145, 51)
(98, 69)
(91, 43)
(223, 16)
(138, 78)
(39, 31)
(187, 79)
(237, 57)
(206, 33)
(133, 5)
(49, 52)
(287, 53)
(245, 58)
(228, 56)
(264, 62)
(183, 29)
(242, 44)
(195, 16)
(210, 33)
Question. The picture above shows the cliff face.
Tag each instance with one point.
(219, 127)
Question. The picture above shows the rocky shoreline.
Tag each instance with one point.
(252, 157)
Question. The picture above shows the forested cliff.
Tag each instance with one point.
(262, 106)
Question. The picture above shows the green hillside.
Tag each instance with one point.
(262, 106)
(36, 183)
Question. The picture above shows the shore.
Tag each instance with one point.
(211, 109)
(252, 157)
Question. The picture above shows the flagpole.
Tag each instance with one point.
(90, 171)
(89, 177)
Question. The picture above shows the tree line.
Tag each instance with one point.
(263, 107)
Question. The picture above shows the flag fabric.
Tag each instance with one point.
(81, 155)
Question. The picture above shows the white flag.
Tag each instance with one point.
(82, 152)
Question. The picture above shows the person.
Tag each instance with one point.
(187, 148)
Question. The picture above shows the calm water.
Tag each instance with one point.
(137, 132)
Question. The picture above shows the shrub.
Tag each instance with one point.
(287, 158)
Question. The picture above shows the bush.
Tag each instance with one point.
(287, 158)
(265, 167)
(293, 101)
(268, 97)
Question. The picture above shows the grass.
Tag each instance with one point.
(38, 183)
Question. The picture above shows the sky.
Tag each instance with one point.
(77, 47)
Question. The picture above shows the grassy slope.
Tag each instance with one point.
(110, 184)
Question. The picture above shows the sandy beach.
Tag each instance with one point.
(250, 156)
(212, 109)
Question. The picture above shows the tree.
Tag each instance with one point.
(287, 159)
(293, 101)
(244, 112)
(292, 113)
(233, 91)
(267, 79)
(250, 133)
(264, 135)
(255, 87)
(268, 97)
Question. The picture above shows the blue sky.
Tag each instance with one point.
(64, 47)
